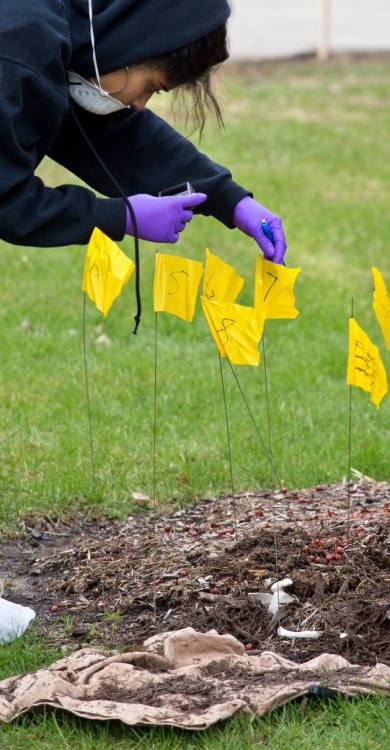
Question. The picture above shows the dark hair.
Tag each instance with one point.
(190, 68)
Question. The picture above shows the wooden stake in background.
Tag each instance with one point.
(325, 29)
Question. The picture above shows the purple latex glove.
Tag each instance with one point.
(248, 215)
(162, 219)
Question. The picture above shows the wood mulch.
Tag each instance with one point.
(98, 581)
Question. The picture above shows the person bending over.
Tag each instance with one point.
(74, 66)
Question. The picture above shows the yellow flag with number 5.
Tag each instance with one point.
(176, 284)
(274, 286)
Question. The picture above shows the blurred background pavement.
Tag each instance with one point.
(277, 28)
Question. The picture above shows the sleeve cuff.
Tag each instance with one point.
(110, 217)
(224, 199)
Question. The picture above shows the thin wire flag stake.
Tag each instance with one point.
(106, 270)
(267, 399)
(349, 479)
(249, 410)
(349, 473)
(272, 465)
(229, 447)
(175, 288)
(91, 440)
(268, 405)
(154, 466)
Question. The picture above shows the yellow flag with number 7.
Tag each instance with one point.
(274, 286)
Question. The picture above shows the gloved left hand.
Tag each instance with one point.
(162, 219)
(248, 215)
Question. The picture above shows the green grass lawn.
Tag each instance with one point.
(313, 144)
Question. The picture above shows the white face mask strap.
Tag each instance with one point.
(90, 11)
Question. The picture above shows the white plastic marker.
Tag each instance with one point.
(283, 599)
(14, 620)
(281, 584)
(314, 634)
(278, 597)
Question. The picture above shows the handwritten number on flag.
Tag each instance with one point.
(226, 324)
(275, 280)
(175, 281)
(106, 270)
(221, 281)
(365, 366)
(176, 284)
(274, 289)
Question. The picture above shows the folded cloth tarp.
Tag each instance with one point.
(182, 679)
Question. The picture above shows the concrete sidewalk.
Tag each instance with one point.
(275, 28)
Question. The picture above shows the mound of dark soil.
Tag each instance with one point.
(119, 583)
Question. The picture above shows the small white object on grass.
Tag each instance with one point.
(14, 620)
(140, 497)
(103, 340)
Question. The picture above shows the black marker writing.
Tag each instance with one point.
(176, 283)
(226, 324)
(100, 269)
(275, 279)
(210, 292)
(366, 363)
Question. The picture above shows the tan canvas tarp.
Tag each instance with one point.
(183, 679)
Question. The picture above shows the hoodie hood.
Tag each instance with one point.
(131, 31)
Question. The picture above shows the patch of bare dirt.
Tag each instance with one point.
(100, 581)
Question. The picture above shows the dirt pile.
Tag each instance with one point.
(118, 583)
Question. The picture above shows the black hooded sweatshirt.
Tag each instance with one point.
(40, 40)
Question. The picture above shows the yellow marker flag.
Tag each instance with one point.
(381, 304)
(274, 286)
(176, 284)
(365, 367)
(106, 271)
(221, 281)
(235, 329)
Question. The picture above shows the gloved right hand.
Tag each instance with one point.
(162, 219)
(248, 216)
